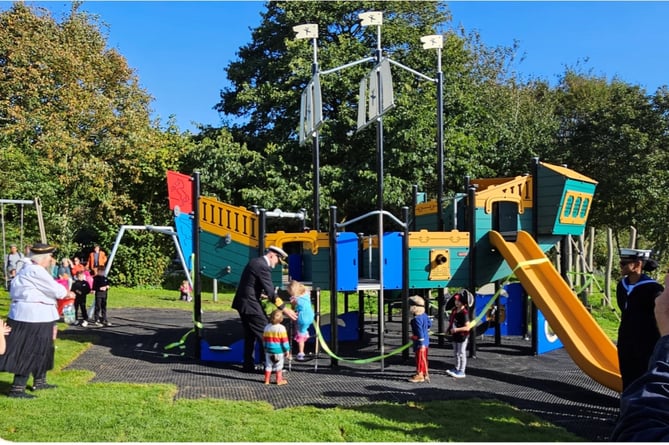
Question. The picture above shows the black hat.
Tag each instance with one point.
(41, 249)
(464, 296)
(279, 251)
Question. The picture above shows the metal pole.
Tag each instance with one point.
(316, 297)
(472, 258)
(405, 283)
(333, 286)
(316, 154)
(440, 142)
(379, 156)
(197, 266)
(262, 232)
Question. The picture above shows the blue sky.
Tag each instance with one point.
(179, 49)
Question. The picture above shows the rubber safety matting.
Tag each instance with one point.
(550, 386)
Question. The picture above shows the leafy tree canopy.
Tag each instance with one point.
(75, 129)
(272, 71)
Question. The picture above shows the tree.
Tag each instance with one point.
(616, 134)
(272, 71)
(75, 129)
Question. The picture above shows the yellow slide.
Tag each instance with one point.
(585, 341)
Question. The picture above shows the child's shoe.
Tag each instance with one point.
(279, 378)
(300, 356)
(451, 372)
(459, 375)
(418, 378)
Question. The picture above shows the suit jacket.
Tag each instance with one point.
(102, 260)
(256, 279)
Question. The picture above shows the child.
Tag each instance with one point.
(301, 301)
(275, 341)
(185, 291)
(420, 327)
(459, 328)
(101, 286)
(4, 330)
(81, 289)
(64, 280)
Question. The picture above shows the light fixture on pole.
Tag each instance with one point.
(311, 119)
(437, 42)
(370, 19)
(306, 31)
(311, 113)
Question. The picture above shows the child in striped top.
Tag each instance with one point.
(277, 346)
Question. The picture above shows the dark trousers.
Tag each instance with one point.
(80, 305)
(101, 309)
(253, 325)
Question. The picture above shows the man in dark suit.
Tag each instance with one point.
(254, 285)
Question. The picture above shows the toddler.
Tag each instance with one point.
(185, 290)
(301, 301)
(275, 341)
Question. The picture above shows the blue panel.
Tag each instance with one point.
(347, 329)
(347, 261)
(547, 340)
(513, 304)
(392, 260)
(184, 228)
(514, 308)
(234, 353)
(295, 266)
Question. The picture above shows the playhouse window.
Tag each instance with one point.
(584, 208)
(568, 206)
(577, 208)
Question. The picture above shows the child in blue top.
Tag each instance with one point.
(420, 334)
(301, 301)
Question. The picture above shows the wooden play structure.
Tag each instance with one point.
(498, 227)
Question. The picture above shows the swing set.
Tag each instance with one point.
(40, 222)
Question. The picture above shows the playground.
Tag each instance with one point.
(550, 386)
(491, 230)
(563, 369)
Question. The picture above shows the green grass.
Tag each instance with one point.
(81, 411)
(164, 299)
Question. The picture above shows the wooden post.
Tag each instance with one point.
(609, 264)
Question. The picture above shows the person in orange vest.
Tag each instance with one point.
(96, 259)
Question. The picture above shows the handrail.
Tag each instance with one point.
(372, 213)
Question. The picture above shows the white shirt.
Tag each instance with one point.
(34, 293)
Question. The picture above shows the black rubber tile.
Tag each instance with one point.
(550, 386)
